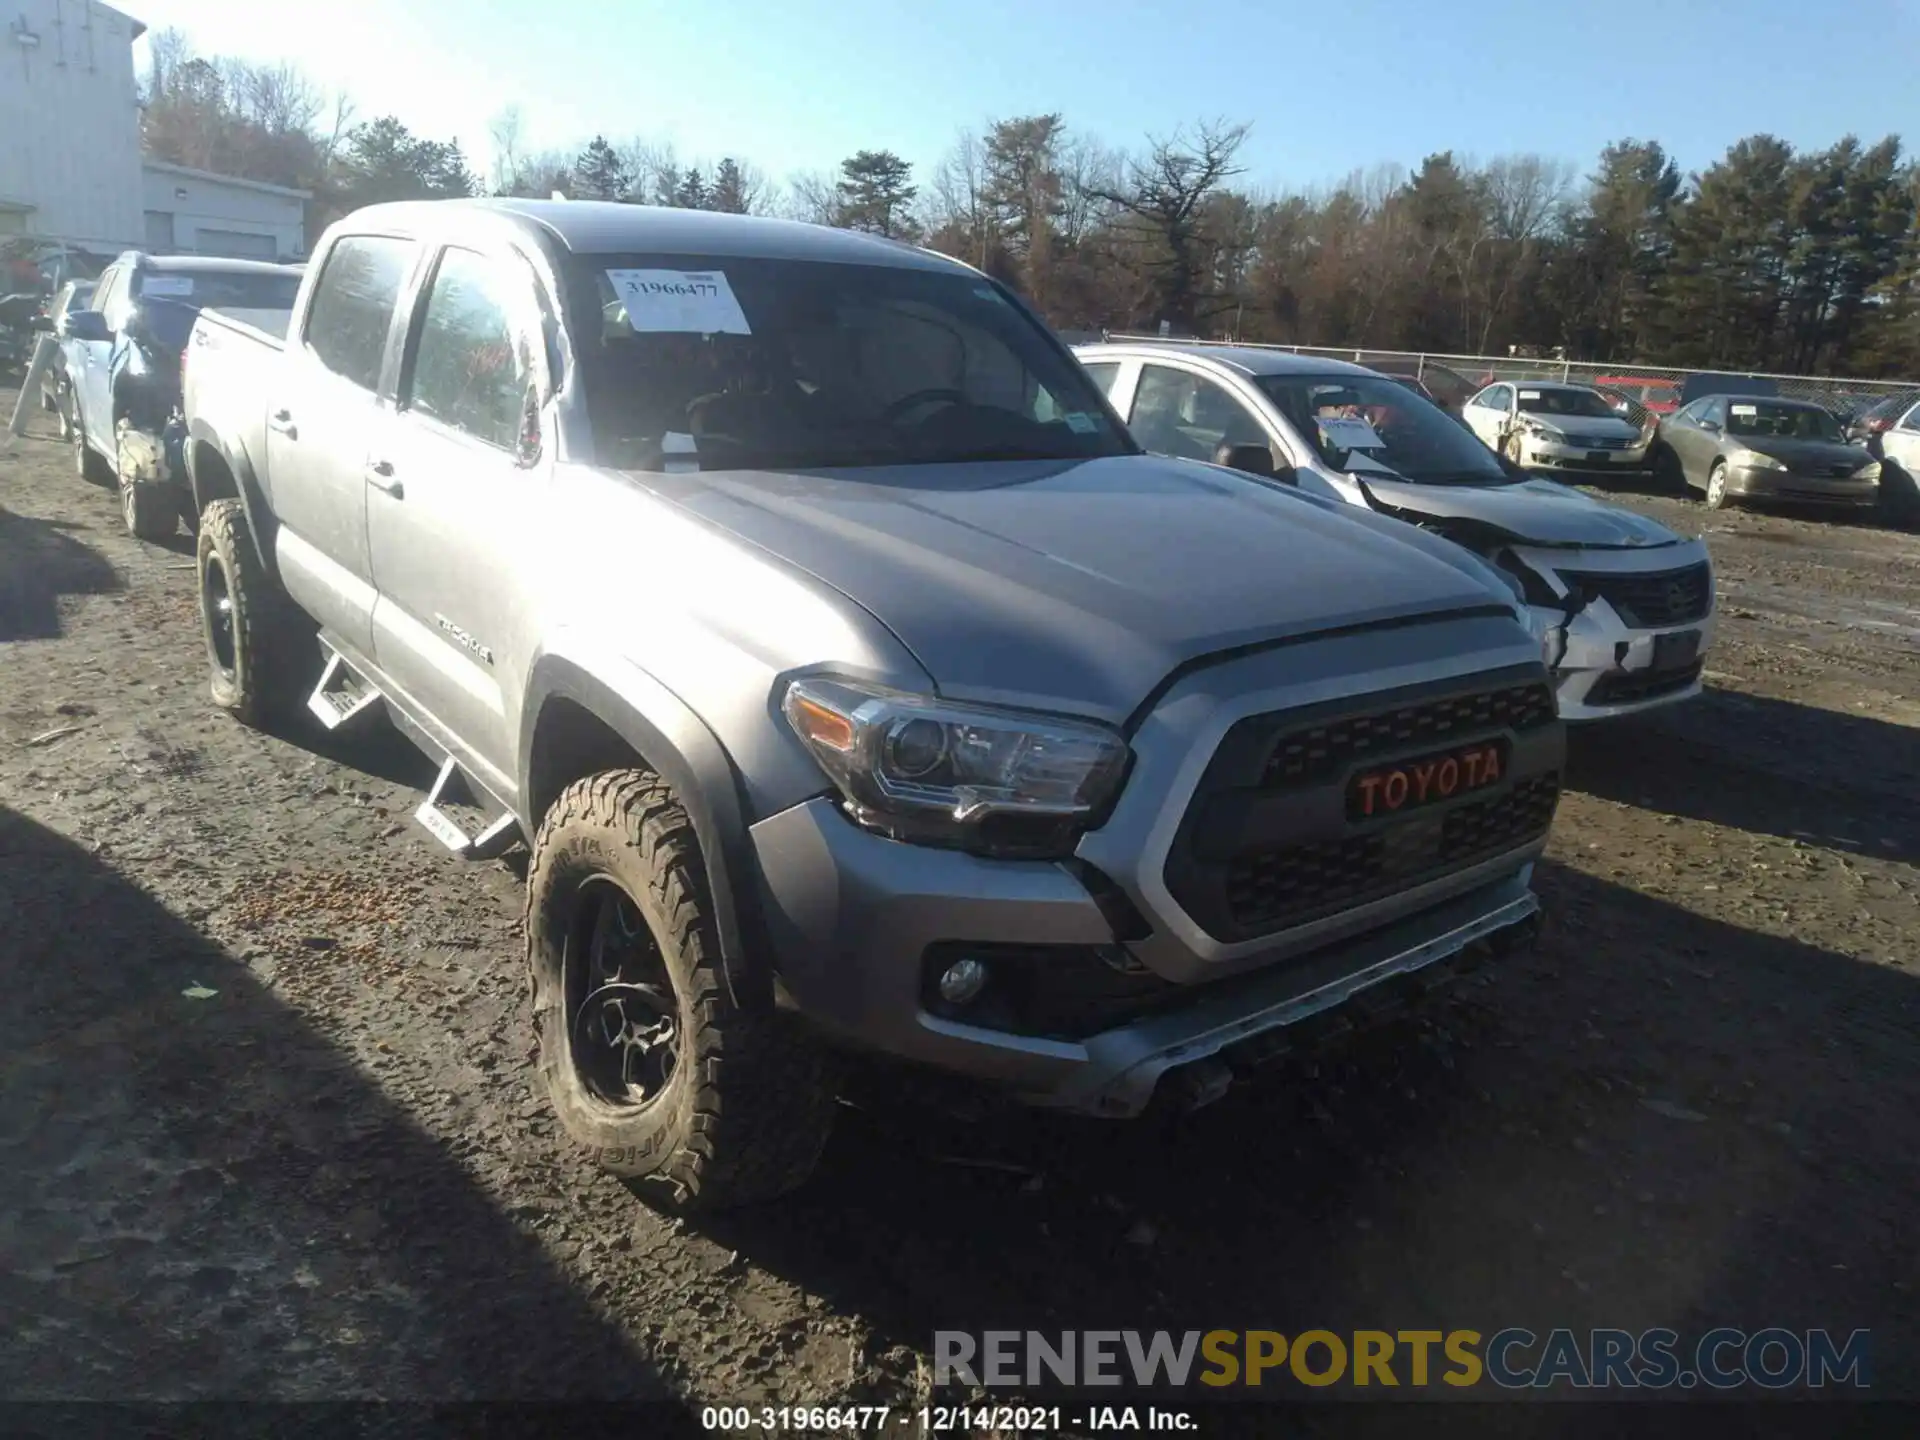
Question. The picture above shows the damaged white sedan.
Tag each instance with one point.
(1624, 607)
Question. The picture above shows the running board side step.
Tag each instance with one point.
(341, 695)
(489, 844)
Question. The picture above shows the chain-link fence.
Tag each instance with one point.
(1452, 378)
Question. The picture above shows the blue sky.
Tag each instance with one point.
(1329, 88)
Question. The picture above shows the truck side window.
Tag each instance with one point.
(352, 307)
(471, 369)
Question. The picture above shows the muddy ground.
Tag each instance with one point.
(1699, 1104)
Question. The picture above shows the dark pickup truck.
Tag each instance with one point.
(123, 359)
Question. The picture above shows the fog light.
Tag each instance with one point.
(961, 981)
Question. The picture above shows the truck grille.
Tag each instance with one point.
(1272, 840)
(1311, 756)
(1290, 886)
(1665, 597)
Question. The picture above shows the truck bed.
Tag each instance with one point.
(267, 326)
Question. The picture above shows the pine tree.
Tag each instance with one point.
(874, 192)
(694, 194)
(599, 173)
(730, 195)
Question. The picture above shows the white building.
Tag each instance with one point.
(70, 163)
(69, 123)
(190, 212)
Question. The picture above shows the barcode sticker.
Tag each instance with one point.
(1746, 410)
(683, 302)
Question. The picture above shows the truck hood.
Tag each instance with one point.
(1078, 585)
(1536, 512)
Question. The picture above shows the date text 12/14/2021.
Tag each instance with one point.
(944, 1419)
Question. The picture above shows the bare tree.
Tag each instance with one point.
(811, 196)
(504, 166)
(1164, 192)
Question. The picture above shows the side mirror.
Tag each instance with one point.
(89, 326)
(42, 323)
(1253, 459)
(1713, 425)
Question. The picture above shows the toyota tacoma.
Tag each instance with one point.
(852, 677)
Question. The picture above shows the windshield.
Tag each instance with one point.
(1781, 422)
(1368, 424)
(211, 289)
(1565, 402)
(762, 364)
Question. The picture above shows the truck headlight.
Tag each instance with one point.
(1754, 460)
(919, 768)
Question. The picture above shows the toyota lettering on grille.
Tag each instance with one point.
(1410, 784)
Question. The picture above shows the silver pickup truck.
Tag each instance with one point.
(852, 676)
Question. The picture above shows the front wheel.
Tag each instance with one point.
(1511, 448)
(696, 1103)
(1717, 486)
(87, 463)
(1668, 472)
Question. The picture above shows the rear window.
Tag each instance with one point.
(352, 309)
(245, 290)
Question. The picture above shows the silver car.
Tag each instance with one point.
(1624, 606)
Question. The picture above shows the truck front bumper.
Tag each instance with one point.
(1143, 953)
(856, 917)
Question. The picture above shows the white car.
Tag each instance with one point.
(1899, 450)
(1551, 425)
(1623, 606)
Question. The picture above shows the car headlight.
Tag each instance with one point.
(1754, 460)
(918, 768)
(1543, 431)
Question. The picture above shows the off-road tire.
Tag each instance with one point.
(88, 463)
(749, 1105)
(151, 512)
(269, 638)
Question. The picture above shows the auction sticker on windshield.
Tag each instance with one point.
(685, 302)
(1746, 410)
(1349, 434)
(162, 286)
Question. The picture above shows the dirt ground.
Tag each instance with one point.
(330, 1176)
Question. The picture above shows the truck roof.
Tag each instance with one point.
(1247, 359)
(206, 265)
(597, 227)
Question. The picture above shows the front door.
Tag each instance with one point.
(319, 413)
(452, 490)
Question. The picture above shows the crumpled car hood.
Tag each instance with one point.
(1533, 511)
(1080, 585)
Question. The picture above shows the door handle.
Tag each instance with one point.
(380, 476)
(281, 423)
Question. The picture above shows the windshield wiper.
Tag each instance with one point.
(984, 453)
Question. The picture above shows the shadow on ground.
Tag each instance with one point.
(200, 1197)
(40, 562)
(1504, 1162)
(1774, 767)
